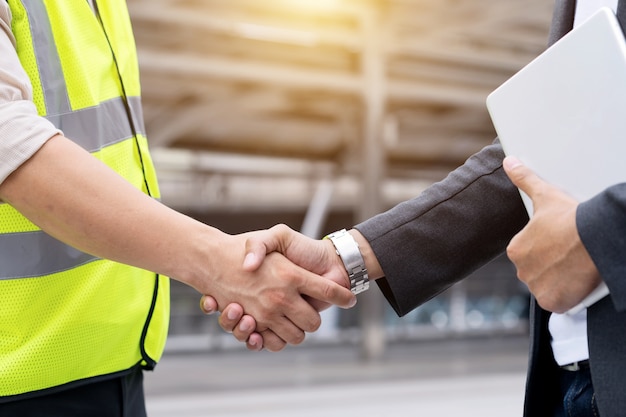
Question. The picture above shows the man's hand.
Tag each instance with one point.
(276, 294)
(317, 256)
(548, 253)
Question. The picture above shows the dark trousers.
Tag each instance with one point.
(118, 397)
(578, 398)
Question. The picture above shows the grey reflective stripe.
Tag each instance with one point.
(94, 128)
(136, 113)
(34, 254)
(53, 84)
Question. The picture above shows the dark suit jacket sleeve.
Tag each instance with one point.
(426, 244)
(601, 224)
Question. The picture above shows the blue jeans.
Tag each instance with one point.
(578, 396)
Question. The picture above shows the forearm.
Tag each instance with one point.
(77, 199)
(427, 244)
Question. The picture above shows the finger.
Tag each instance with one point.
(523, 177)
(255, 254)
(260, 243)
(513, 251)
(288, 315)
(317, 304)
(272, 342)
(230, 317)
(255, 342)
(245, 328)
(291, 333)
(327, 291)
(208, 304)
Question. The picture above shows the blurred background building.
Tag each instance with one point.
(322, 113)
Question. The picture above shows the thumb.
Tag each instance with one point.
(262, 242)
(259, 244)
(523, 177)
(256, 249)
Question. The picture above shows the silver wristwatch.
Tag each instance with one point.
(348, 250)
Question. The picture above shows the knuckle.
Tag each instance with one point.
(278, 300)
(545, 303)
(550, 302)
(510, 252)
(239, 336)
(518, 175)
(281, 229)
(330, 292)
(299, 338)
(513, 249)
(274, 347)
(314, 324)
(272, 342)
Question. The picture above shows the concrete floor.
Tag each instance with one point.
(481, 376)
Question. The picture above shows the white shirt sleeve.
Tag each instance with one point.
(22, 130)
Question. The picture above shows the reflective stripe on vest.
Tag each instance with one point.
(67, 316)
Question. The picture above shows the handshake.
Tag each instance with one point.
(285, 280)
(270, 285)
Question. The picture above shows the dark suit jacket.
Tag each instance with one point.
(427, 244)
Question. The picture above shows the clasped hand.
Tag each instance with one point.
(548, 253)
(282, 314)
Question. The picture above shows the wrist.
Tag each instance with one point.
(348, 251)
(206, 252)
(335, 264)
(374, 269)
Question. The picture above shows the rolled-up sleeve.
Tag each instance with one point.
(22, 130)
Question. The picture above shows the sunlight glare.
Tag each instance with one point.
(313, 4)
(276, 34)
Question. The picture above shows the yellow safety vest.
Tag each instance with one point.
(66, 316)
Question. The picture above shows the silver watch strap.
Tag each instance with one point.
(348, 250)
